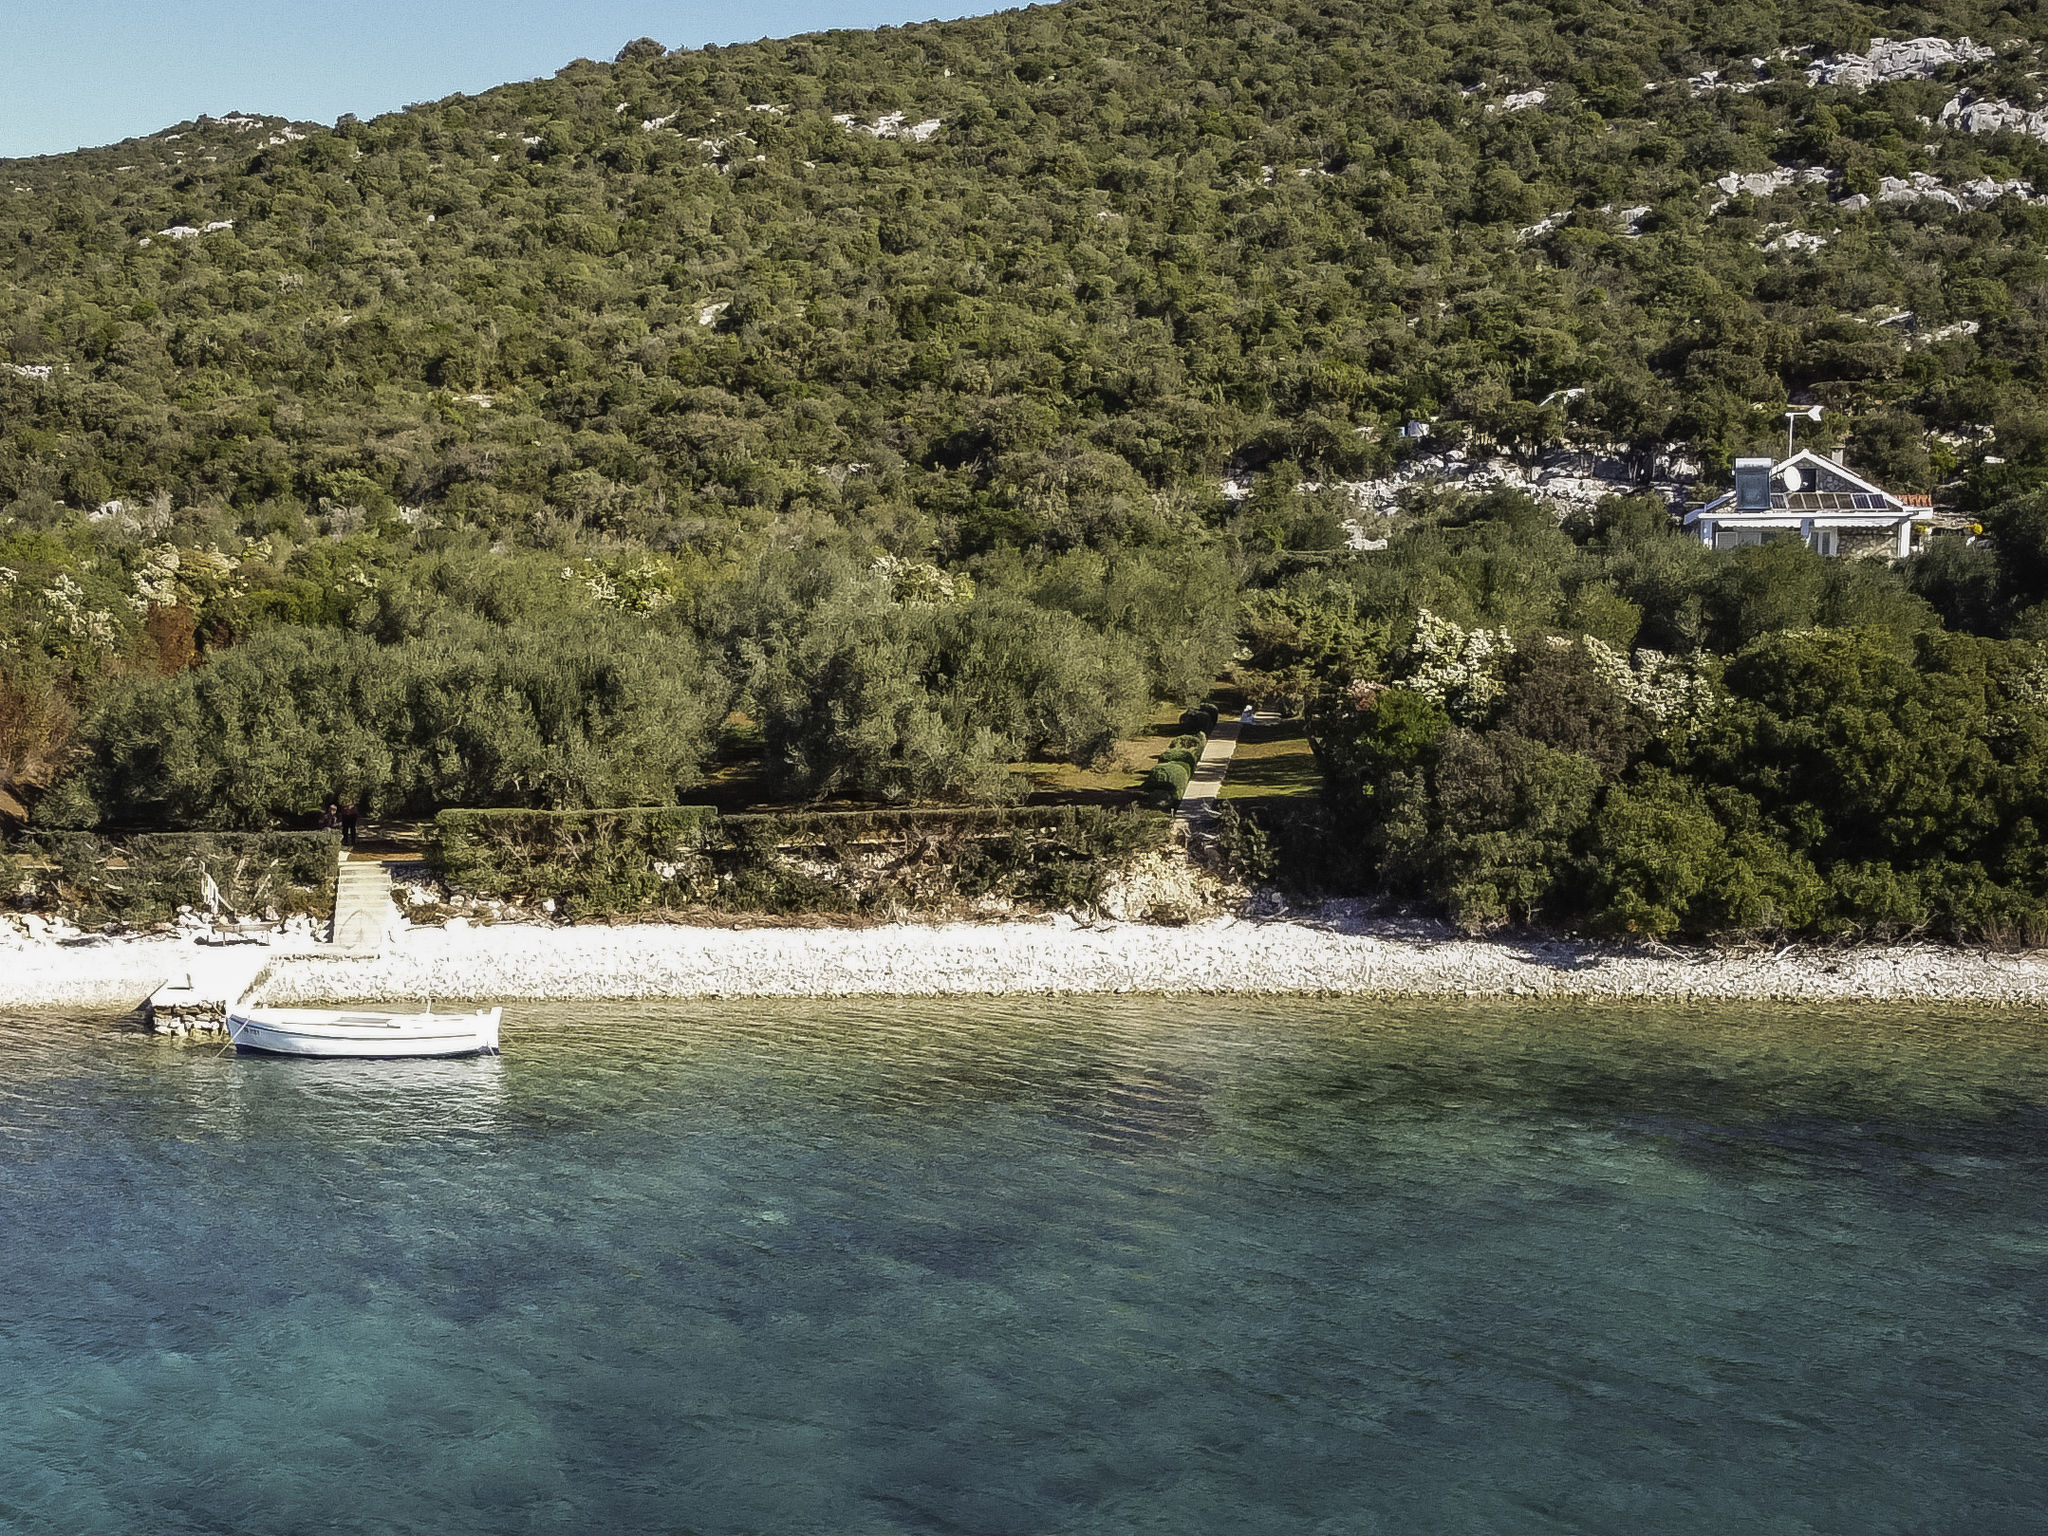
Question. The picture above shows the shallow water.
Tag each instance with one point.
(1105, 1266)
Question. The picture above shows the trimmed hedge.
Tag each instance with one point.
(1165, 784)
(615, 860)
(611, 863)
(1201, 718)
(1193, 741)
(145, 878)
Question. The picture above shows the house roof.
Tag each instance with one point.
(1825, 489)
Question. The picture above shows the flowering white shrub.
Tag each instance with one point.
(1668, 689)
(90, 626)
(1456, 667)
(1671, 689)
(156, 584)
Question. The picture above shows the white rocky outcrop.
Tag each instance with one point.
(1985, 191)
(1764, 183)
(1918, 58)
(893, 125)
(192, 231)
(1795, 240)
(1519, 101)
(1968, 114)
(1631, 222)
(1567, 480)
(1921, 187)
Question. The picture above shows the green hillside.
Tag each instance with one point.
(1142, 243)
(496, 451)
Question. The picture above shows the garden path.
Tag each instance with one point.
(1198, 801)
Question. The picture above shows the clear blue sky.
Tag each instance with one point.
(82, 72)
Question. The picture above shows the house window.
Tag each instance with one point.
(1737, 538)
(1826, 541)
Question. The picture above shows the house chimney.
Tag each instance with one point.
(1752, 485)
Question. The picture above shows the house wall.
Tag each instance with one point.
(1867, 543)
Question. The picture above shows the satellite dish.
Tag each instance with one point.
(1791, 477)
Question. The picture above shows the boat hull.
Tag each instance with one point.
(359, 1034)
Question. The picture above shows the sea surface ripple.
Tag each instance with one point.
(1029, 1266)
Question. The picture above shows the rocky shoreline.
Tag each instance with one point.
(1340, 949)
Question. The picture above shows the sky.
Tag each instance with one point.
(85, 72)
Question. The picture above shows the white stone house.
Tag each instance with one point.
(1831, 509)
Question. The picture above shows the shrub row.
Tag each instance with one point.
(1168, 781)
(610, 863)
(145, 878)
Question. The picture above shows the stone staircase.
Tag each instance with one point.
(363, 913)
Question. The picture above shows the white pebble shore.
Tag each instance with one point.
(1059, 955)
(1332, 955)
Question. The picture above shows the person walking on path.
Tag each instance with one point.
(349, 813)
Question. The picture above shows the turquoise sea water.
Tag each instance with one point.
(1100, 1266)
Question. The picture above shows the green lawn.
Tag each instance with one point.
(1273, 762)
(1114, 780)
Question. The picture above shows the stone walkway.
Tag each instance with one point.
(1198, 802)
(363, 912)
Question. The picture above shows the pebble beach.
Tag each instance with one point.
(1333, 951)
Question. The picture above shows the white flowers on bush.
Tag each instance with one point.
(1456, 667)
(1462, 670)
(93, 626)
(1670, 689)
(1665, 688)
(156, 584)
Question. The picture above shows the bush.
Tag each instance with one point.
(266, 730)
(1246, 846)
(1181, 755)
(1488, 830)
(607, 861)
(146, 878)
(619, 862)
(1192, 741)
(1165, 784)
(1654, 848)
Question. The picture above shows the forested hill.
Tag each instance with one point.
(850, 414)
(1010, 275)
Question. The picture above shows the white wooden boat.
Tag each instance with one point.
(352, 1032)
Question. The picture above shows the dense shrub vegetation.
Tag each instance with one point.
(145, 879)
(1824, 756)
(604, 863)
(869, 396)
